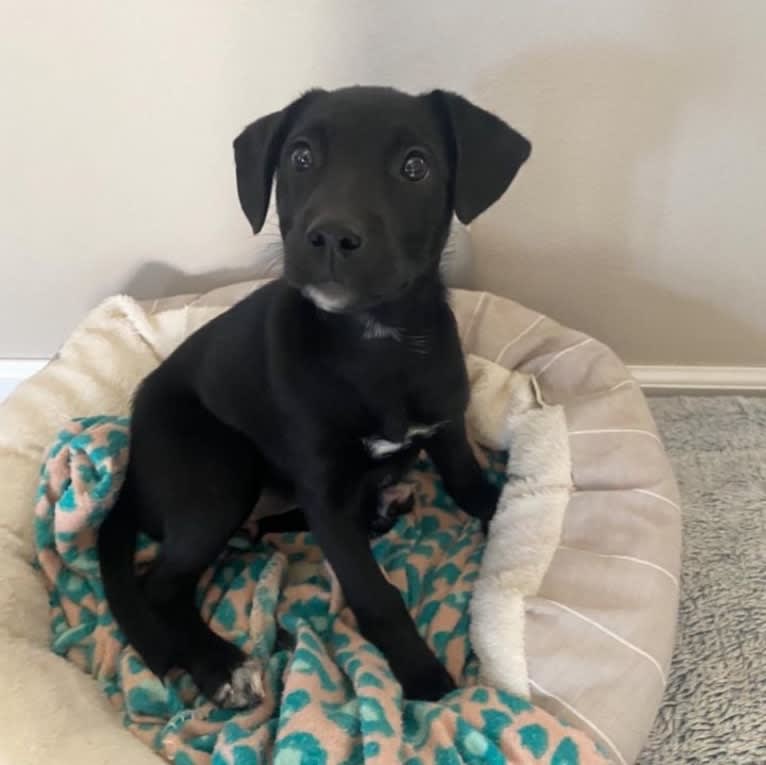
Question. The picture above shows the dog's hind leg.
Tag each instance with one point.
(199, 480)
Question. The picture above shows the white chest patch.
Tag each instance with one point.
(374, 330)
(382, 447)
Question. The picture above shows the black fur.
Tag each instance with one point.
(357, 341)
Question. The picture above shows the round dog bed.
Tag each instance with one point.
(595, 602)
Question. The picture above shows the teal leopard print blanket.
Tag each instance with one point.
(330, 698)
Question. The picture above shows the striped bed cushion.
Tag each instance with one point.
(599, 633)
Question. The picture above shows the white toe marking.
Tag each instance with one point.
(245, 688)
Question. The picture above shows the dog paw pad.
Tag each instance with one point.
(244, 688)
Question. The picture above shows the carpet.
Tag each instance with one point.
(714, 709)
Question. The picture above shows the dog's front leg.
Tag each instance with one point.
(463, 477)
(338, 517)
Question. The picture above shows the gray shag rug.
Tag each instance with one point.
(714, 709)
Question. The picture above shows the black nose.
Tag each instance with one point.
(337, 237)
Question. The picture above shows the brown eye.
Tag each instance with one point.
(415, 167)
(302, 158)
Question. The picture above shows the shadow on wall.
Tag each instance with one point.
(587, 233)
(658, 319)
(603, 121)
(591, 210)
(655, 321)
(157, 279)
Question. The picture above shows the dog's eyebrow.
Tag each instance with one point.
(404, 135)
(315, 131)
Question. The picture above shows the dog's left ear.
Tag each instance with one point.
(487, 153)
(256, 155)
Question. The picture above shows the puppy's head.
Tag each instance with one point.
(367, 180)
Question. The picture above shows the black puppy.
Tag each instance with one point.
(323, 384)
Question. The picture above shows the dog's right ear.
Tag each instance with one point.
(256, 155)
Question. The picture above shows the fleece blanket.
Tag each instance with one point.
(330, 698)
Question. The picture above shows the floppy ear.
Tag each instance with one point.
(256, 155)
(487, 154)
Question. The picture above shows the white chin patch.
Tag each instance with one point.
(331, 298)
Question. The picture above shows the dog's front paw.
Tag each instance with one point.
(394, 502)
(243, 689)
(227, 677)
(429, 682)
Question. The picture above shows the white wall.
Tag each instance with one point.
(640, 217)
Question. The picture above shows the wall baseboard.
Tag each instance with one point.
(666, 379)
(698, 379)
